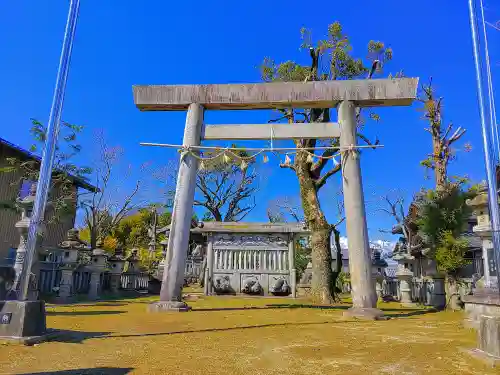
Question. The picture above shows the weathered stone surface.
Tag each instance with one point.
(319, 94)
(489, 335)
(483, 302)
(164, 306)
(22, 319)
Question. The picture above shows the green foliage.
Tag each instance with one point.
(442, 216)
(302, 258)
(342, 279)
(62, 194)
(450, 253)
(335, 51)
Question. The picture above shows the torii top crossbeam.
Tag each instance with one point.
(320, 94)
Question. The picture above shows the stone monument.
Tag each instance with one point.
(23, 321)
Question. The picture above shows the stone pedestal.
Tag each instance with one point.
(405, 277)
(484, 301)
(95, 286)
(23, 321)
(115, 282)
(66, 285)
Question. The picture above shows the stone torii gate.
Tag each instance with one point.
(345, 95)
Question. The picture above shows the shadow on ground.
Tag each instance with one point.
(89, 371)
(271, 306)
(77, 313)
(76, 337)
(87, 304)
(226, 329)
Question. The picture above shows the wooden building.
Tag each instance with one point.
(10, 190)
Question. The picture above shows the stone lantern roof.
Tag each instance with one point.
(73, 241)
(118, 255)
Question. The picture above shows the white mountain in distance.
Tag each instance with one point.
(386, 247)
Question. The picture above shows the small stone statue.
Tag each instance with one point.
(222, 285)
(280, 287)
(198, 251)
(251, 286)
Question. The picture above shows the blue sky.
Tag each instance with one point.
(121, 43)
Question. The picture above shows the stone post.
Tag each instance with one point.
(291, 263)
(378, 265)
(95, 286)
(364, 297)
(66, 285)
(209, 270)
(178, 242)
(97, 268)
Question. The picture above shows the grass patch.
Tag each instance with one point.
(234, 335)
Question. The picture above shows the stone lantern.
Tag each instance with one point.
(378, 266)
(133, 260)
(479, 205)
(116, 265)
(71, 248)
(404, 272)
(98, 266)
(26, 205)
(161, 265)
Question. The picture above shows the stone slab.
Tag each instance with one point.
(316, 130)
(484, 357)
(365, 313)
(317, 94)
(482, 302)
(166, 306)
(489, 335)
(22, 319)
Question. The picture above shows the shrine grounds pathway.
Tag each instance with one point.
(229, 335)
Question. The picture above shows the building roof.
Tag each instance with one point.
(78, 181)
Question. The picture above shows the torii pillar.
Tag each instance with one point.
(346, 95)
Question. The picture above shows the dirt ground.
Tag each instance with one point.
(245, 336)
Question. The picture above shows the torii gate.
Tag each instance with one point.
(347, 95)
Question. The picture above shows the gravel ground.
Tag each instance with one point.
(245, 336)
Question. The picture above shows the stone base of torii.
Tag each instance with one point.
(345, 95)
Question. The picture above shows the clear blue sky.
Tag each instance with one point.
(121, 43)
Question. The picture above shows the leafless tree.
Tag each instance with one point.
(111, 202)
(443, 138)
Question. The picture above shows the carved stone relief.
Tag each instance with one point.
(242, 240)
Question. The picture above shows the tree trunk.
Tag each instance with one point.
(338, 264)
(453, 299)
(320, 234)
